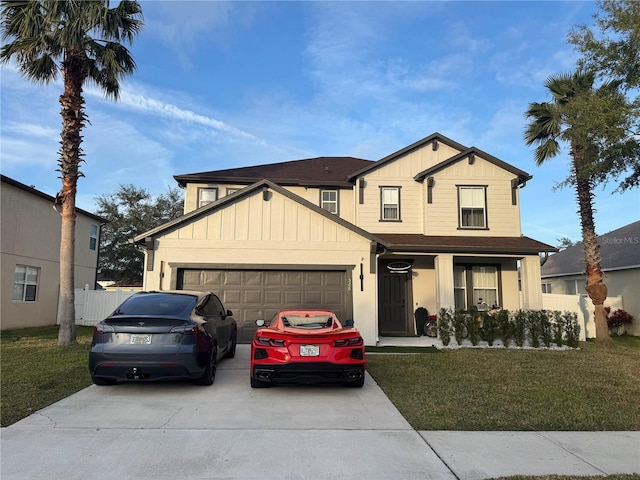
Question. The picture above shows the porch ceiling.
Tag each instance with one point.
(459, 244)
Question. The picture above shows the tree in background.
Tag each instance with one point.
(590, 120)
(565, 242)
(129, 212)
(81, 39)
(612, 52)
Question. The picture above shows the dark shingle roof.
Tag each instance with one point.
(619, 249)
(443, 243)
(311, 171)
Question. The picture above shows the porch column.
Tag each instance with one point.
(531, 283)
(444, 281)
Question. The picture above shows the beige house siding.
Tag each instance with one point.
(30, 235)
(278, 231)
(442, 215)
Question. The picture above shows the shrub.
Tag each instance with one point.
(444, 326)
(533, 327)
(546, 330)
(489, 331)
(505, 327)
(473, 325)
(459, 326)
(618, 319)
(571, 329)
(558, 328)
(520, 327)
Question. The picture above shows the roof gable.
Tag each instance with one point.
(311, 171)
(470, 154)
(264, 186)
(433, 138)
(619, 250)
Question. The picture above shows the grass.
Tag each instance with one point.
(460, 389)
(592, 388)
(36, 372)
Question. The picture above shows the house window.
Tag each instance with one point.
(206, 196)
(329, 200)
(485, 285)
(25, 283)
(476, 285)
(93, 237)
(473, 213)
(574, 287)
(390, 204)
(459, 287)
(546, 288)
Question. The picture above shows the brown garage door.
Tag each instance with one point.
(254, 294)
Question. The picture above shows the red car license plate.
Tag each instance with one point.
(309, 350)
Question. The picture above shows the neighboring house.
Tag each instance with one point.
(30, 243)
(564, 272)
(435, 225)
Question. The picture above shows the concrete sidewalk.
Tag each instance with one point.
(180, 431)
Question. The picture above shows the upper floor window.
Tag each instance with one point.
(390, 203)
(329, 200)
(93, 237)
(206, 196)
(25, 283)
(473, 212)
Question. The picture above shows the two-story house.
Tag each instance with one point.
(31, 255)
(435, 225)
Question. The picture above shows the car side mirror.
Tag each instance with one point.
(260, 323)
(348, 324)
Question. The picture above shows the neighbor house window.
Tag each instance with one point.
(473, 212)
(329, 200)
(574, 287)
(390, 203)
(25, 283)
(546, 288)
(93, 237)
(206, 196)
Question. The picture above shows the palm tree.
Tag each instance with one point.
(81, 39)
(566, 119)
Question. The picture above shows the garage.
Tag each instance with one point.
(259, 293)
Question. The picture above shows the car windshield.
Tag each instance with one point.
(308, 320)
(164, 304)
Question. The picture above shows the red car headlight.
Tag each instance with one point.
(269, 342)
(348, 342)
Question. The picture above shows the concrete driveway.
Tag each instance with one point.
(181, 431)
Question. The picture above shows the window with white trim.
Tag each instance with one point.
(459, 287)
(546, 288)
(390, 203)
(476, 285)
(207, 196)
(473, 212)
(329, 200)
(25, 283)
(93, 237)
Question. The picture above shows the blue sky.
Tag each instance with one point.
(231, 84)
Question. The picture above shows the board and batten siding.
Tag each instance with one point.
(441, 216)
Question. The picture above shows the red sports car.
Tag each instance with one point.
(306, 346)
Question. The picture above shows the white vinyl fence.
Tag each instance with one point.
(94, 305)
(582, 306)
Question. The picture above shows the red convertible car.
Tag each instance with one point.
(306, 346)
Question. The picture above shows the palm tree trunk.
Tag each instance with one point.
(70, 156)
(596, 289)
